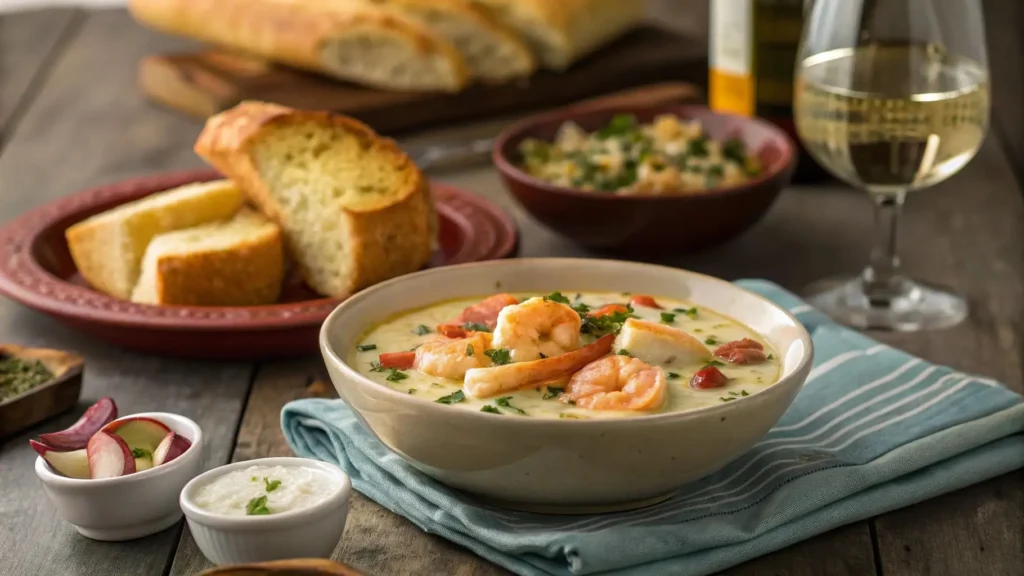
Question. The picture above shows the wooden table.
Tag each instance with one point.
(70, 117)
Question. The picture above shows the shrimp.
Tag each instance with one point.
(487, 382)
(452, 358)
(617, 383)
(660, 344)
(537, 328)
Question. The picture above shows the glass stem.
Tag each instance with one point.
(882, 278)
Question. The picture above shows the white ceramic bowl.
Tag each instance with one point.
(129, 506)
(563, 465)
(311, 532)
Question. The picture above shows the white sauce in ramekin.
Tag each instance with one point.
(285, 488)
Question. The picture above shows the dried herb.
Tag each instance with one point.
(18, 376)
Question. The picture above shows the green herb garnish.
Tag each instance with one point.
(553, 392)
(744, 393)
(366, 347)
(395, 375)
(476, 327)
(711, 340)
(623, 352)
(691, 312)
(769, 357)
(254, 478)
(469, 350)
(490, 409)
(500, 356)
(271, 484)
(453, 398)
(673, 376)
(714, 363)
(422, 330)
(506, 402)
(141, 453)
(698, 147)
(620, 125)
(18, 376)
(668, 318)
(257, 507)
(558, 297)
(570, 416)
(375, 366)
(728, 399)
(607, 324)
(735, 150)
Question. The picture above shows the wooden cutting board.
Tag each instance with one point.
(204, 83)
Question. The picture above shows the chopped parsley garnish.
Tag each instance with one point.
(257, 507)
(506, 402)
(744, 393)
(735, 150)
(375, 366)
(607, 324)
(412, 390)
(623, 352)
(673, 376)
(453, 398)
(558, 297)
(668, 317)
(395, 375)
(422, 330)
(553, 392)
(490, 409)
(698, 147)
(570, 416)
(620, 125)
(769, 357)
(476, 327)
(691, 312)
(254, 479)
(271, 484)
(711, 340)
(714, 363)
(366, 347)
(627, 294)
(469, 350)
(727, 399)
(141, 453)
(500, 356)
(734, 393)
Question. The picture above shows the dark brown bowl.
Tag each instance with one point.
(649, 225)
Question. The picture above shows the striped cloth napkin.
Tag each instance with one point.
(873, 429)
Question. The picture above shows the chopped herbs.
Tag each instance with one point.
(18, 376)
(569, 416)
(620, 125)
(690, 312)
(500, 356)
(553, 392)
(141, 453)
(412, 390)
(453, 398)
(607, 324)
(271, 485)
(366, 347)
(469, 350)
(735, 150)
(559, 298)
(254, 479)
(769, 357)
(711, 340)
(715, 363)
(395, 375)
(490, 409)
(744, 393)
(476, 327)
(668, 317)
(624, 352)
(257, 507)
(727, 398)
(375, 366)
(698, 147)
(673, 376)
(506, 402)
(422, 330)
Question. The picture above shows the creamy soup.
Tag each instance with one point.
(568, 355)
(264, 490)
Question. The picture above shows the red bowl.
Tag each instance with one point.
(649, 225)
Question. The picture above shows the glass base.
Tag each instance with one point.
(904, 305)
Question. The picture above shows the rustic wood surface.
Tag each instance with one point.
(78, 121)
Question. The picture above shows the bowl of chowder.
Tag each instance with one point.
(565, 385)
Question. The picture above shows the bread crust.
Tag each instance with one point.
(294, 32)
(386, 240)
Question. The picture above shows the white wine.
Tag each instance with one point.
(892, 118)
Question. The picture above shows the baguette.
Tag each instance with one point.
(493, 52)
(236, 262)
(354, 208)
(108, 248)
(560, 32)
(346, 40)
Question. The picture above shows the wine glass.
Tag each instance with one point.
(891, 96)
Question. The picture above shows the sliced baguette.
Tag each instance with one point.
(235, 262)
(354, 208)
(108, 248)
(493, 51)
(347, 40)
(560, 32)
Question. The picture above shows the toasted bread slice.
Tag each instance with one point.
(354, 208)
(108, 248)
(351, 41)
(236, 262)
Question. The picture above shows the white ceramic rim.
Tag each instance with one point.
(51, 477)
(268, 521)
(328, 350)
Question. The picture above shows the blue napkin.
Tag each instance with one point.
(873, 429)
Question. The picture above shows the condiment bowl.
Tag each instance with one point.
(130, 506)
(563, 465)
(649, 225)
(311, 532)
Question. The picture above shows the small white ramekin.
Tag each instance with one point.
(311, 532)
(132, 506)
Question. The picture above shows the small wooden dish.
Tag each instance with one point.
(299, 567)
(47, 399)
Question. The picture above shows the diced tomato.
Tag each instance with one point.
(452, 330)
(708, 377)
(609, 310)
(645, 301)
(745, 351)
(486, 311)
(398, 360)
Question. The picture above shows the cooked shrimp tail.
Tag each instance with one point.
(617, 383)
